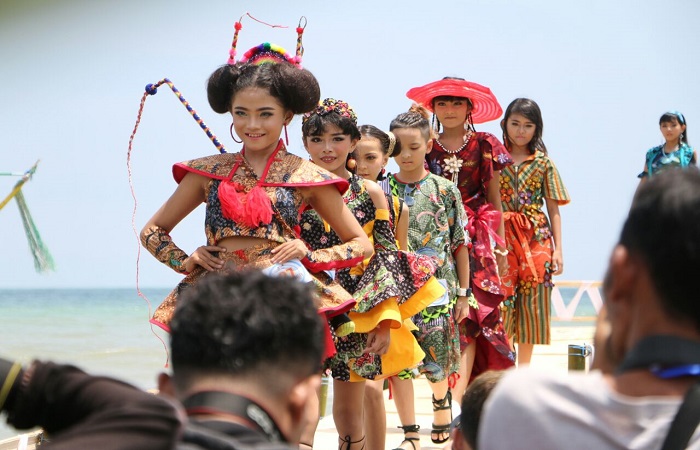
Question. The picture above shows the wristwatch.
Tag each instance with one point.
(462, 292)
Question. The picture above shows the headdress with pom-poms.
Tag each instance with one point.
(254, 208)
(329, 105)
(266, 52)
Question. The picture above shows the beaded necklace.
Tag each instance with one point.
(463, 146)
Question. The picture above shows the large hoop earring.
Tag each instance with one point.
(286, 136)
(234, 139)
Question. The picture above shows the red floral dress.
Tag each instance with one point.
(471, 168)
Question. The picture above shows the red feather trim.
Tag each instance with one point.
(258, 207)
(250, 209)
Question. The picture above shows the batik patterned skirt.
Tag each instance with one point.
(331, 298)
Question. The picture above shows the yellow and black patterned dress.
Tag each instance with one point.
(391, 285)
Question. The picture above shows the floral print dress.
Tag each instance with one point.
(436, 228)
(390, 285)
(528, 281)
(471, 169)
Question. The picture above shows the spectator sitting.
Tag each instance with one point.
(651, 349)
(246, 351)
(246, 354)
(466, 425)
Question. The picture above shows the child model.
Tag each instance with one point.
(436, 227)
(254, 198)
(389, 287)
(472, 160)
(526, 185)
(675, 152)
(371, 155)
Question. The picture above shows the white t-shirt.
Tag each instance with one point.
(530, 409)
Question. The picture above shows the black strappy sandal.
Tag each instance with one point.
(409, 429)
(440, 405)
(346, 441)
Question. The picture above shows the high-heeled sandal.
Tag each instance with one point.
(346, 440)
(409, 429)
(440, 405)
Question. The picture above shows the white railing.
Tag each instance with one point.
(564, 311)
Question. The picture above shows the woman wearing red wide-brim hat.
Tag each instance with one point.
(473, 161)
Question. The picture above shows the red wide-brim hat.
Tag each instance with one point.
(485, 106)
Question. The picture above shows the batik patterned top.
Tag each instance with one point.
(437, 223)
(399, 275)
(474, 166)
(524, 188)
(657, 159)
(286, 173)
(391, 285)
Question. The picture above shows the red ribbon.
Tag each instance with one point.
(483, 224)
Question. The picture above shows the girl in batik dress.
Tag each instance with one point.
(534, 242)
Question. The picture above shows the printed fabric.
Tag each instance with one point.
(528, 280)
(391, 285)
(472, 168)
(287, 173)
(656, 159)
(436, 228)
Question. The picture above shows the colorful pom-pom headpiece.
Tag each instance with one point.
(266, 52)
(329, 105)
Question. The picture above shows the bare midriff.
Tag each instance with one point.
(241, 242)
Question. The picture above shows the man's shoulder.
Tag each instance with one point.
(574, 410)
(532, 383)
(539, 406)
(198, 436)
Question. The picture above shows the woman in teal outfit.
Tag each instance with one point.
(674, 152)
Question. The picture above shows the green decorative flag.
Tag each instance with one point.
(43, 261)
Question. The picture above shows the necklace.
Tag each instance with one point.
(673, 150)
(464, 145)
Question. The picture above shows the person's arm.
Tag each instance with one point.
(555, 223)
(463, 274)
(643, 176)
(402, 228)
(493, 195)
(382, 233)
(329, 204)
(155, 235)
(85, 411)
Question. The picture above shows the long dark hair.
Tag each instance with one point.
(531, 111)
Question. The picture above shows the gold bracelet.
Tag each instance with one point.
(503, 252)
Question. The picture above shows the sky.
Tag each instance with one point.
(73, 71)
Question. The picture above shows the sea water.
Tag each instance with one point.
(106, 331)
(103, 331)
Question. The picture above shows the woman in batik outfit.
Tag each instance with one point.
(254, 198)
(534, 241)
